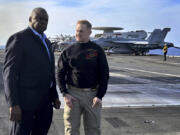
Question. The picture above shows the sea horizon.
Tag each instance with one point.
(171, 51)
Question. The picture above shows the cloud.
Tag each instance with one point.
(71, 3)
(131, 15)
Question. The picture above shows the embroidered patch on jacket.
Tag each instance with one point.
(91, 54)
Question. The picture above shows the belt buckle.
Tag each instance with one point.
(86, 89)
(89, 89)
(93, 89)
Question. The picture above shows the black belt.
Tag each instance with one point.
(81, 89)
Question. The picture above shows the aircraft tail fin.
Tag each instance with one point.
(158, 36)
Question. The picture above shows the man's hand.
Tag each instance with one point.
(96, 101)
(15, 113)
(68, 100)
(57, 103)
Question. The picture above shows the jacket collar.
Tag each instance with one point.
(41, 36)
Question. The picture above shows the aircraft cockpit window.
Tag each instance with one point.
(101, 38)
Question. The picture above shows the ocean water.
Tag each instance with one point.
(171, 51)
(2, 46)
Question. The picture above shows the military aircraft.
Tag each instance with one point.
(133, 42)
(109, 31)
(138, 45)
(60, 42)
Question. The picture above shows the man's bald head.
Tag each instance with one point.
(38, 19)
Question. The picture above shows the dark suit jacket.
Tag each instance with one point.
(28, 71)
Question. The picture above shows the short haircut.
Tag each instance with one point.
(86, 22)
(38, 9)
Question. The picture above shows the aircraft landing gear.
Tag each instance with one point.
(143, 53)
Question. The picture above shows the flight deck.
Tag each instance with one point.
(142, 98)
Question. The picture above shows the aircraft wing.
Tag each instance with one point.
(129, 42)
(135, 45)
(177, 47)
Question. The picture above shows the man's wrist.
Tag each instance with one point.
(99, 98)
(64, 94)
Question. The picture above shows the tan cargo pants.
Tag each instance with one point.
(83, 106)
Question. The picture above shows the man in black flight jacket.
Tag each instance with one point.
(83, 68)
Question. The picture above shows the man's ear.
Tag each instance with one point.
(30, 19)
(90, 32)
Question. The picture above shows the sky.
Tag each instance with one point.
(63, 14)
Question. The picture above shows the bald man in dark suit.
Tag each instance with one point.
(29, 78)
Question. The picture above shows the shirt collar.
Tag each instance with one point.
(41, 36)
